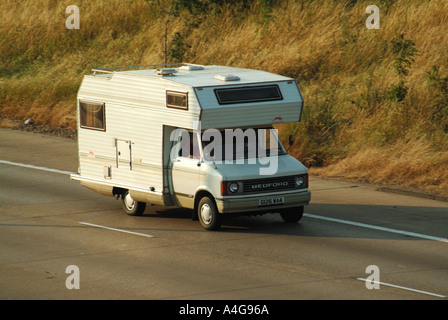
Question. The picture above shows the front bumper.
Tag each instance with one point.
(250, 203)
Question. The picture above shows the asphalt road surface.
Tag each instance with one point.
(350, 236)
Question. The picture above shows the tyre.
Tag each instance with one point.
(292, 215)
(130, 206)
(208, 214)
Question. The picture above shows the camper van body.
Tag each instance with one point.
(127, 125)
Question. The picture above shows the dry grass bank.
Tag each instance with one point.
(351, 126)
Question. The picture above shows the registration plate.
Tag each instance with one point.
(271, 201)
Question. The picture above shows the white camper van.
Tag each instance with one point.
(192, 136)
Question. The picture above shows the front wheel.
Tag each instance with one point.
(208, 214)
(292, 215)
(130, 206)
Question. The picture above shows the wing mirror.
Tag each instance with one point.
(291, 142)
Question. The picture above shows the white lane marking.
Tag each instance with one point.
(30, 166)
(119, 230)
(358, 224)
(373, 227)
(403, 288)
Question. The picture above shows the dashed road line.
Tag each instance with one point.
(373, 227)
(30, 166)
(309, 215)
(403, 288)
(115, 229)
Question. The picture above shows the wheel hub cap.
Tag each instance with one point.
(129, 202)
(206, 214)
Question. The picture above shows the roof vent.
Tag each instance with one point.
(227, 77)
(191, 67)
(165, 72)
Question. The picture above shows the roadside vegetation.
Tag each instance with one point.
(376, 101)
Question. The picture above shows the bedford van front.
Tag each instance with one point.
(255, 177)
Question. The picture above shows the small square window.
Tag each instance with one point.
(177, 100)
(92, 116)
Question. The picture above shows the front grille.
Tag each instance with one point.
(269, 184)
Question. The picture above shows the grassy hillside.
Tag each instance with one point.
(376, 101)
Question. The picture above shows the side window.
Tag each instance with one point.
(177, 100)
(188, 148)
(92, 115)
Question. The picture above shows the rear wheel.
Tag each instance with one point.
(208, 214)
(130, 206)
(292, 215)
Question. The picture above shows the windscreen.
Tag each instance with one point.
(237, 144)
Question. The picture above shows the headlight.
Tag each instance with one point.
(234, 187)
(300, 182)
